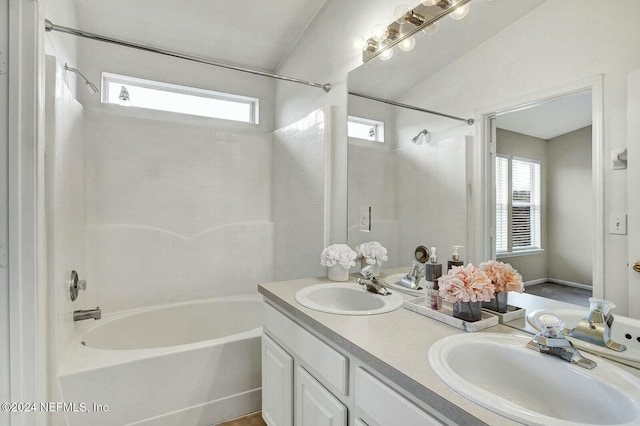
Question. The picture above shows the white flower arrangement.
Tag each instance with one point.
(338, 254)
(373, 252)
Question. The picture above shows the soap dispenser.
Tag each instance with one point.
(455, 258)
(433, 271)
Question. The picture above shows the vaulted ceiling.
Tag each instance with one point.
(256, 33)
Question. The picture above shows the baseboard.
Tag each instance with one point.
(557, 281)
(570, 284)
(534, 282)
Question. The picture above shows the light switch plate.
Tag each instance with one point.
(618, 224)
(365, 219)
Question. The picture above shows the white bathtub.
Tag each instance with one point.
(194, 363)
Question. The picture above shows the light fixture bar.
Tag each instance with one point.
(50, 26)
(431, 15)
(469, 121)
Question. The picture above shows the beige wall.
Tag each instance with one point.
(569, 207)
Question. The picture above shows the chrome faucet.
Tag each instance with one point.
(595, 327)
(371, 283)
(551, 341)
(96, 314)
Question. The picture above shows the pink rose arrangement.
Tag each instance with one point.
(503, 277)
(466, 284)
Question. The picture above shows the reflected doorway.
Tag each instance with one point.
(543, 193)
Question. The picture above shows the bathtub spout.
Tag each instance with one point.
(90, 313)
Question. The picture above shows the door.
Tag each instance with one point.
(633, 183)
(315, 405)
(277, 384)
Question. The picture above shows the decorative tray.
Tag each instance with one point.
(513, 313)
(418, 305)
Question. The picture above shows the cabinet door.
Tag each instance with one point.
(277, 384)
(315, 405)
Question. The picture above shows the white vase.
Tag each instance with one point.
(338, 273)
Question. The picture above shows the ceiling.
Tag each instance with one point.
(550, 119)
(255, 33)
(392, 78)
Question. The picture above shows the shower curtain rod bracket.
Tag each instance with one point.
(50, 26)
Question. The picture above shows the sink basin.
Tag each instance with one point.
(499, 373)
(624, 330)
(347, 299)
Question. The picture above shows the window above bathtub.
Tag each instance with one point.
(139, 93)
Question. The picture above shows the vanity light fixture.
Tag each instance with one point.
(407, 23)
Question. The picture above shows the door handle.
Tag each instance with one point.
(636, 266)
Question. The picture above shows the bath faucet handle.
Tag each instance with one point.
(550, 325)
(601, 305)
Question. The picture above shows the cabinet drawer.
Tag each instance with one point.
(326, 364)
(379, 405)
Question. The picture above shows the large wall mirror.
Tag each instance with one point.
(417, 178)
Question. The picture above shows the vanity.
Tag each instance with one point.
(324, 368)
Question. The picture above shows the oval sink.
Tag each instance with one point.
(346, 299)
(499, 373)
(624, 330)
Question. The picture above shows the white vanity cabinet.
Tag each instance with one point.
(277, 384)
(306, 382)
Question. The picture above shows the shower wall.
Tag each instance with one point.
(64, 204)
(175, 211)
(298, 197)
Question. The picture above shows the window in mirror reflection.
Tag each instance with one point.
(364, 128)
(517, 204)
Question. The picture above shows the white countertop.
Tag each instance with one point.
(396, 345)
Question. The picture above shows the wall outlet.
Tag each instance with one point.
(365, 219)
(618, 224)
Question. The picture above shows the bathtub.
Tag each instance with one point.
(193, 363)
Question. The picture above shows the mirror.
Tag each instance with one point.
(421, 181)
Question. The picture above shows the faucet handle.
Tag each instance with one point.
(367, 272)
(550, 325)
(601, 305)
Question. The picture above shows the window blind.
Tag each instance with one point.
(525, 207)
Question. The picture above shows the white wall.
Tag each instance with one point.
(570, 195)
(534, 266)
(324, 54)
(297, 194)
(559, 42)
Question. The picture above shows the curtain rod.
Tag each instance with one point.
(469, 121)
(50, 26)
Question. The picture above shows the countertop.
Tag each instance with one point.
(396, 344)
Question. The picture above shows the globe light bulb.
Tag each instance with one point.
(460, 12)
(359, 43)
(379, 32)
(429, 2)
(407, 44)
(386, 55)
(431, 29)
(400, 13)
